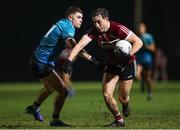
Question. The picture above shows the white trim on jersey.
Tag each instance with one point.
(110, 42)
(130, 33)
(124, 29)
(114, 40)
(50, 30)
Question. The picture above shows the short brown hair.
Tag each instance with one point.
(100, 11)
(72, 10)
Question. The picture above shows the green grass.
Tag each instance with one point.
(87, 108)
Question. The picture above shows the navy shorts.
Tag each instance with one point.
(40, 70)
(147, 66)
(125, 71)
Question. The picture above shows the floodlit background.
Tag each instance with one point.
(23, 23)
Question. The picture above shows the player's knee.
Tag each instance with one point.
(124, 99)
(62, 90)
(107, 96)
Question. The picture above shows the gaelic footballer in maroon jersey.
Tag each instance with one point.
(107, 33)
(107, 40)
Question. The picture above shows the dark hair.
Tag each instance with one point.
(100, 11)
(72, 10)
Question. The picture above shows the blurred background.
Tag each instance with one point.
(23, 23)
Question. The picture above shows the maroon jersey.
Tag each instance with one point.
(107, 40)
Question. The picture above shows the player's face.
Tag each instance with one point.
(101, 24)
(76, 19)
(142, 28)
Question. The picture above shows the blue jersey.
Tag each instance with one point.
(53, 42)
(145, 56)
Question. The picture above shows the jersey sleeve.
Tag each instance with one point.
(123, 31)
(68, 32)
(151, 39)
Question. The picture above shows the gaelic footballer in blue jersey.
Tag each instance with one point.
(42, 63)
(145, 60)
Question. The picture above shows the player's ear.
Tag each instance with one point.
(70, 17)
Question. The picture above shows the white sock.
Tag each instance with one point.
(121, 120)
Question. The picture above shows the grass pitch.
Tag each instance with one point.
(87, 110)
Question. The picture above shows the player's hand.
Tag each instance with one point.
(67, 79)
(98, 63)
(67, 67)
(71, 91)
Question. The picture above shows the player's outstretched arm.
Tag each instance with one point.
(71, 42)
(77, 49)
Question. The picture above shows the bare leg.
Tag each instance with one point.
(125, 87)
(149, 80)
(42, 95)
(140, 77)
(139, 72)
(54, 81)
(65, 77)
(58, 104)
(109, 84)
(59, 99)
